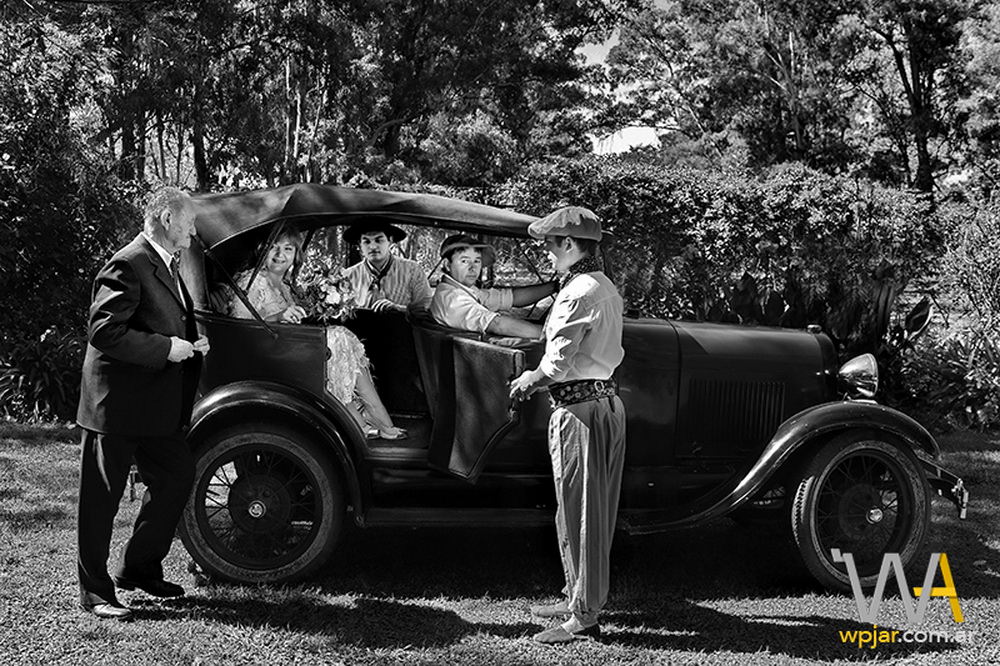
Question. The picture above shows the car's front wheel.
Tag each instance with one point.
(267, 505)
(863, 496)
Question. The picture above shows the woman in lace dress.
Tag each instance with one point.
(348, 378)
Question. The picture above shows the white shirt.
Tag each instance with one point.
(404, 284)
(160, 250)
(583, 332)
(468, 308)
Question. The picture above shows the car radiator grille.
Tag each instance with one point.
(728, 413)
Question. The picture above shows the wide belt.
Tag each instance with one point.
(581, 390)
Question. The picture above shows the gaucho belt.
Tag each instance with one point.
(582, 390)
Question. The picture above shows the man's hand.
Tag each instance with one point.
(522, 387)
(201, 345)
(385, 305)
(293, 314)
(180, 349)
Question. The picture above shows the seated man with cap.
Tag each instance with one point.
(460, 303)
(382, 281)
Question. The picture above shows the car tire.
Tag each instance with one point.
(267, 505)
(864, 496)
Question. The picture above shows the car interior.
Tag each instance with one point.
(423, 371)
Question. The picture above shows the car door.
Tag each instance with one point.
(485, 430)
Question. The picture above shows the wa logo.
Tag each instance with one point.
(915, 608)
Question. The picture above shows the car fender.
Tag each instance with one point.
(331, 422)
(811, 424)
(804, 429)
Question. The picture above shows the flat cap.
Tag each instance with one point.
(574, 221)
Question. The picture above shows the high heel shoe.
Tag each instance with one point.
(388, 433)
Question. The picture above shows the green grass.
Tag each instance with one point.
(717, 595)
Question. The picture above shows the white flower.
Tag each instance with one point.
(332, 297)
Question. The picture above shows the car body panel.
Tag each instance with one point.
(714, 410)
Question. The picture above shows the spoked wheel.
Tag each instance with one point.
(267, 505)
(862, 496)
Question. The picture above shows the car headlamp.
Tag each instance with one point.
(858, 378)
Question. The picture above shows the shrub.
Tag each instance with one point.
(789, 247)
(40, 379)
(953, 380)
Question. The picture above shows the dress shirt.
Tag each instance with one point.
(583, 332)
(468, 308)
(404, 284)
(161, 251)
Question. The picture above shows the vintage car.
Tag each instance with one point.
(722, 419)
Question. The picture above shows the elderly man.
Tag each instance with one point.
(381, 281)
(459, 303)
(583, 346)
(140, 375)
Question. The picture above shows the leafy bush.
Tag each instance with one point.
(40, 378)
(790, 247)
(954, 380)
(61, 212)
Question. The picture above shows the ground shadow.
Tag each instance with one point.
(695, 628)
(369, 623)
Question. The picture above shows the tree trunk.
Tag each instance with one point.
(160, 144)
(198, 143)
(925, 172)
(202, 176)
(126, 164)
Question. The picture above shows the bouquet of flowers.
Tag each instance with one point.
(328, 297)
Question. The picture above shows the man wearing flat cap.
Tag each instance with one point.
(583, 346)
(382, 281)
(459, 302)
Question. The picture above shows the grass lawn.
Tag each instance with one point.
(718, 595)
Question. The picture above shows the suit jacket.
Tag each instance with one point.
(128, 386)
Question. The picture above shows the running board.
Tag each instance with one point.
(442, 517)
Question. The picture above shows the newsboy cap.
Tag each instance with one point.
(462, 241)
(574, 221)
(353, 233)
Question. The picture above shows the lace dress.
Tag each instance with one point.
(347, 354)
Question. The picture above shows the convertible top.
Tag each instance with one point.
(221, 217)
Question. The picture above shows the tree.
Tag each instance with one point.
(768, 71)
(922, 38)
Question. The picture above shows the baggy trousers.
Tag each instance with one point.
(167, 469)
(587, 446)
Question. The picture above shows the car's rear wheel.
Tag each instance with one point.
(863, 496)
(267, 505)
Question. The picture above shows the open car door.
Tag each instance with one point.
(483, 413)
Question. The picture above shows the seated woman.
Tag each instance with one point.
(459, 302)
(348, 378)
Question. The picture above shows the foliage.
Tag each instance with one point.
(60, 213)
(771, 73)
(953, 380)
(790, 248)
(40, 378)
(970, 276)
(870, 86)
(472, 151)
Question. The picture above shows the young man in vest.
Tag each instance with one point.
(583, 346)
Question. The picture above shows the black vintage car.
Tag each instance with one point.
(757, 423)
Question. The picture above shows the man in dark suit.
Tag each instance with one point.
(140, 375)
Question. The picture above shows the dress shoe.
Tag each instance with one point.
(557, 635)
(558, 609)
(156, 587)
(110, 611)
